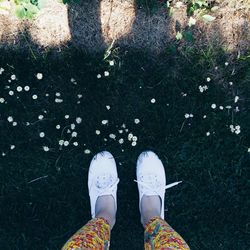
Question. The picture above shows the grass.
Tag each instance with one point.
(210, 209)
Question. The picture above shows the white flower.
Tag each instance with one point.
(12, 147)
(46, 148)
(191, 115)
(47, 94)
(237, 127)
(130, 136)
(208, 79)
(10, 119)
(105, 139)
(120, 131)
(13, 77)
(201, 89)
(61, 142)
(228, 107)
(191, 21)
(74, 134)
(237, 132)
(186, 116)
(111, 63)
(72, 80)
(213, 106)
(98, 76)
(72, 126)
(58, 126)
(3, 154)
(126, 130)
(137, 121)
(236, 98)
(79, 96)
(98, 132)
(75, 143)
(11, 92)
(57, 100)
(27, 88)
(68, 131)
(179, 4)
(107, 107)
(208, 133)
(134, 138)
(106, 73)
(216, 68)
(204, 116)
(58, 94)
(66, 116)
(121, 141)
(40, 117)
(39, 76)
(66, 143)
(231, 83)
(112, 136)
(104, 122)
(205, 87)
(19, 89)
(27, 123)
(123, 125)
(226, 63)
(78, 120)
(1, 71)
(42, 134)
(237, 109)
(2, 100)
(87, 151)
(221, 107)
(14, 124)
(248, 150)
(34, 97)
(133, 143)
(153, 100)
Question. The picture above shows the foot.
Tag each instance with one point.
(151, 184)
(102, 184)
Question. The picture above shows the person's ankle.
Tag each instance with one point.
(105, 208)
(150, 207)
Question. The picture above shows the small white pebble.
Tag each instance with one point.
(120, 131)
(79, 96)
(87, 151)
(10, 119)
(226, 63)
(27, 88)
(153, 100)
(2, 100)
(191, 115)
(213, 106)
(208, 133)
(3, 154)
(236, 98)
(27, 123)
(19, 89)
(12, 147)
(40, 117)
(230, 83)
(78, 120)
(204, 116)
(34, 97)
(42, 134)
(47, 94)
(58, 100)
(186, 116)
(74, 134)
(98, 76)
(58, 94)
(107, 107)
(14, 124)
(106, 73)
(72, 126)
(121, 141)
(133, 143)
(66, 116)
(221, 107)
(39, 76)
(98, 132)
(123, 125)
(68, 131)
(11, 92)
(46, 148)
(66, 143)
(75, 143)
(58, 126)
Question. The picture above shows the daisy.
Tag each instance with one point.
(39, 76)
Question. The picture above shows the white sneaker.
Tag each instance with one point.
(102, 178)
(151, 178)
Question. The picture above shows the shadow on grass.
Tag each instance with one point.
(44, 197)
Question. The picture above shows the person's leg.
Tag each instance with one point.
(102, 183)
(152, 184)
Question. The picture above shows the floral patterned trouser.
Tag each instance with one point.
(95, 234)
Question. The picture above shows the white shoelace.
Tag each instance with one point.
(143, 183)
(109, 188)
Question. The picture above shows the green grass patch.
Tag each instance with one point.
(44, 197)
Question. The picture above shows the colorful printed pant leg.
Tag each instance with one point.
(160, 236)
(95, 235)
